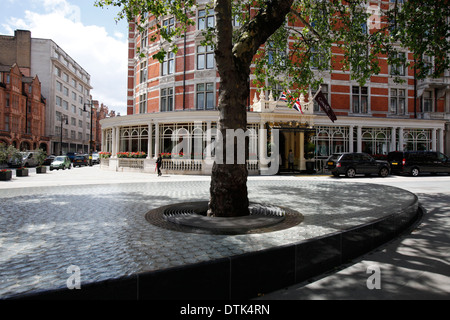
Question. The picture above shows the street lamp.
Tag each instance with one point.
(64, 118)
(90, 134)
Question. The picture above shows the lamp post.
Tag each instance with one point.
(90, 134)
(64, 118)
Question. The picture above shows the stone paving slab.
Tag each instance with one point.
(101, 228)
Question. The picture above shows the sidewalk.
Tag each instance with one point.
(415, 266)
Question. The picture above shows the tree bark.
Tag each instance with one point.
(228, 191)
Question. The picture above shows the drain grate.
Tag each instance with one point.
(191, 217)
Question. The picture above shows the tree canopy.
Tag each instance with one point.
(305, 45)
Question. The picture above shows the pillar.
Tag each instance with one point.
(302, 161)
(393, 139)
(401, 139)
(149, 142)
(441, 140)
(350, 139)
(156, 140)
(359, 138)
(433, 139)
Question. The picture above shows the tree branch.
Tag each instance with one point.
(302, 20)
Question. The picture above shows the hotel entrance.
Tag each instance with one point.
(295, 147)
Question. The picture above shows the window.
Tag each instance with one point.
(7, 100)
(143, 103)
(205, 96)
(59, 86)
(205, 19)
(72, 134)
(80, 136)
(74, 96)
(65, 105)
(205, 57)
(427, 101)
(167, 99)
(318, 59)
(66, 77)
(58, 101)
(144, 38)
(398, 101)
(168, 64)
(73, 121)
(74, 108)
(80, 87)
(7, 123)
(398, 69)
(80, 123)
(58, 71)
(66, 91)
(143, 71)
(360, 99)
(169, 24)
(74, 83)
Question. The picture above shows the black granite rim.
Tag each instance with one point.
(191, 217)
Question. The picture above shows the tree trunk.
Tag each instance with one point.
(228, 191)
(229, 175)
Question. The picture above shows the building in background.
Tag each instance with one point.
(182, 93)
(22, 110)
(66, 85)
(22, 104)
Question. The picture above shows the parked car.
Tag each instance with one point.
(26, 159)
(417, 162)
(80, 160)
(71, 155)
(355, 163)
(61, 162)
(95, 158)
(49, 160)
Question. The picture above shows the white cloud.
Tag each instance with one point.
(102, 55)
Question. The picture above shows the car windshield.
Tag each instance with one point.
(59, 159)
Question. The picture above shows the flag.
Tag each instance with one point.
(325, 106)
(297, 106)
(283, 96)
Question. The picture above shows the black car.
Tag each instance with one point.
(353, 163)
(417, 162)
(80, 160)
(71, 155)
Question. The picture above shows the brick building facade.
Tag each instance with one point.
(22, 110)
(182, 92)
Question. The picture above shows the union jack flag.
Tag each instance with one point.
(297, 106)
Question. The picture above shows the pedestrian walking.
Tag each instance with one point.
(291, 161)
(158, 164)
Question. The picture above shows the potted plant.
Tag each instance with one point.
(5, 174)
(21, 172)
(40, 156)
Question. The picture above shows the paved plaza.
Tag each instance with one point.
(95, 220)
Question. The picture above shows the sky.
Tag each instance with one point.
(88, 34)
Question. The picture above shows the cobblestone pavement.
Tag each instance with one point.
(96, 220)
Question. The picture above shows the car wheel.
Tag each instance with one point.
(415, 172)
(350, 173)
(384, 172)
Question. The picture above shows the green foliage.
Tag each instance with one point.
(9, 153)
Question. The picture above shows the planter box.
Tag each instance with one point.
(41, 169)
(21, 172)
(5, 176)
